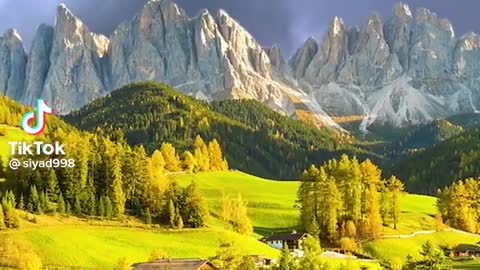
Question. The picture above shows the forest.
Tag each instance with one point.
(255, 139)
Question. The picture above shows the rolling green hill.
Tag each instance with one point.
(260, 143)
(272, 203)
(70, 242)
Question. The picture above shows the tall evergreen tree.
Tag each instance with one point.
(286, 261)
(172, 162)
(372, 217)
(194, 207)
(395, 187)
(2, 219)
(201, 155)
(216, 156)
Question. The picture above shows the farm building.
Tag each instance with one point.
(176, 264)
(293, 241)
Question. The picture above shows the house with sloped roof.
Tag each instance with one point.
(293, 241)
(176, 264)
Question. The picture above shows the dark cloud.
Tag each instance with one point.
(286, 23)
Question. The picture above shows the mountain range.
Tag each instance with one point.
(407, 70)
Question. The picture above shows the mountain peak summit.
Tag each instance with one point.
(402, 10)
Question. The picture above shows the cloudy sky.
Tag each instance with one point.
(286, 23)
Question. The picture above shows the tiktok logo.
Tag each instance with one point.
(39, 116)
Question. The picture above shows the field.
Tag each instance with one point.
(10, 134)
(272, 203)
(71, 242)
(271, 208)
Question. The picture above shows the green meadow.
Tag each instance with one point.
(8, 134)
(100, 247)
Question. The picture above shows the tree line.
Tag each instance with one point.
(348, 199)
(111, 179)
(459, 205)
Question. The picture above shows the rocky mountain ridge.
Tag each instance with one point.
(407, 70)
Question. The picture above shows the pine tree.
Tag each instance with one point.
(309, 201)
(195, 209)
(52, 186)
(216, 156)
(189, 162)
(331, 202)
(77, 206)
(44, 202)
(61, 208)
(34, 205)
(21, 203)
(372, 217)
(101, 208)
(117, 195)
(11, 218)
(312, 254)
(395, 188)
(172, 213)
(172, 162)
(180, 223)
(109, 212)
(241, 221)
(148, 217)
(158, 161)
(2, 219)
(286, 261)
(201, 155)
(386, 203)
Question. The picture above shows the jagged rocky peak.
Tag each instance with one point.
(397, 32)
(467, 56)
(12, 62)
(69, 27)
(331, 53)
(12, 37)
(38, 63)
(302, 57)
(431, 46)
(337, 27)
(402, 10)
(165, 11)
(374, 24)
(276, 56)
(469, 42)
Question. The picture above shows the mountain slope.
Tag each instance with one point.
(454, 159)
(423, 137)
(405, 70)
(150, 114)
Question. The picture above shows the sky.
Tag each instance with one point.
(285, 23)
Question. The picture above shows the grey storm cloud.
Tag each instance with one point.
(286, 23)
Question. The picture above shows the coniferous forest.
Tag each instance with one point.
(256, 139)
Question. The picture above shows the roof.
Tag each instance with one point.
(174, 264)
(285, 237)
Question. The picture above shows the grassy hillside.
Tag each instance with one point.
(272, 203)
(9, 134)
(71, 242)
(401, 248)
